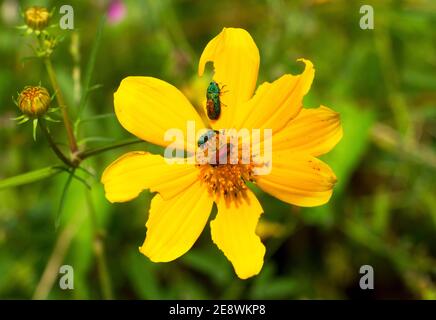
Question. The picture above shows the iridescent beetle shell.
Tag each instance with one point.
(213, 104)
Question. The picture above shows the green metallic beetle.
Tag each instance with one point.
(215, 152)
(206, 137)
(213, 104)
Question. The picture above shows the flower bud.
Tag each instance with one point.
(37, 18)
(34, 101)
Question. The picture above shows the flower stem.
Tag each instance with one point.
(62, 105)
(53, 145)
(63, 243)
(92, 152)
(99, 250)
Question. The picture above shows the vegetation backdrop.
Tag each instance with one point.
(383, 210)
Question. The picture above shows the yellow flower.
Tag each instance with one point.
(147, 107)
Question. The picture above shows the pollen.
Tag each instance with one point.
(227, 180)
(222, 172)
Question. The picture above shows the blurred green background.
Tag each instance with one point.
(383, 210)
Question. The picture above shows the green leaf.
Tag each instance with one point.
(94, 139)
(46, 117)
(143, 277)
(269, 286)
(346, 156)
(19, 118)
(381, 211)
(210, 263)
(35, 125)
(30, 177)
(278, 288)
(23, 120)
(99, 117)
(95, 87)
(90, 67)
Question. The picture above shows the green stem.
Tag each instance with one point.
(99, 249)
(92, 152)
(53, 145)
(62, 105)
(63, 197)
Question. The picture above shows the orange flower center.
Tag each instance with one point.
(227, 179)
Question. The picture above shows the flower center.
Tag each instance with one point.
(222, 176)
(226, 180)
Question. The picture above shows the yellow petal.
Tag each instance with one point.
(313, 131)
(298, 179)
(147, 107)
(234, 232)
(133, 172)
(275, 104)
(236, 63)
(174, 225)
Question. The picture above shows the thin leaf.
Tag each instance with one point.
(18, 118)
(83, 181)
(95, 87)
(35, 125)
(143, 276)
(51, 110)
(208, 263)
(63, 197)
(48, 118)
(95, 139)
(30, 177)
(86, 171)
(24, 120)
(90, 66)
(97, 117)
(92, 152)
